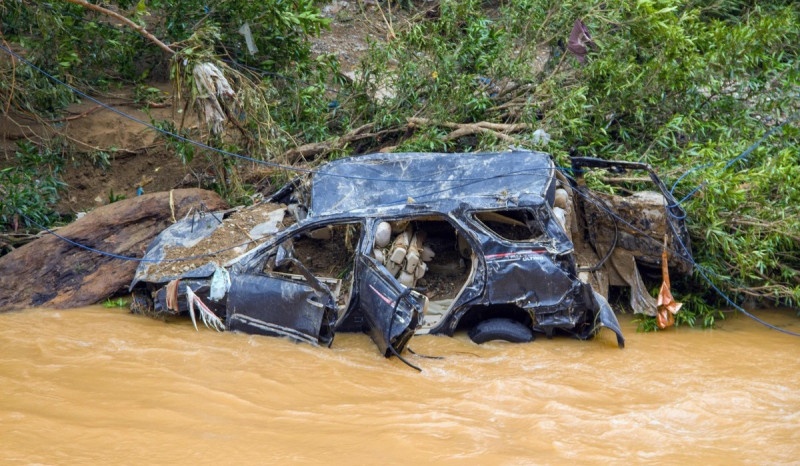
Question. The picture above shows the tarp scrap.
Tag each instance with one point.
(667, 306)
(212, 90)
(579, 41)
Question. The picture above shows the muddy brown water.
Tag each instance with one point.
(100, 386)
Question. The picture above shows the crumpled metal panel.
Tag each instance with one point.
(391, 315)
(186, 233)
(442, 181)
(280, 307)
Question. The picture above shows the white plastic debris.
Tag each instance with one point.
(406, 255)
(220, 284)
(248, 38)
(383, 234)
(212, 89)
(209, 319)
(541, 137)
(561, 216)
(270, 226)
(427, 254)
(561, 198)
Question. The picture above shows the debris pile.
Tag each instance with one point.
(406, 257)
(229, 235)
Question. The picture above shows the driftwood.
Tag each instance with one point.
(499, 130)
(316, 149)
(51, 272)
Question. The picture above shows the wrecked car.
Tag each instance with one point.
(412, 243)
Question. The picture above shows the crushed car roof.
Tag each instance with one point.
(355, 183)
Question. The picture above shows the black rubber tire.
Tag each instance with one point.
(501, 329)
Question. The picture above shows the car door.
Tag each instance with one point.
(298, 286)
(392, 312)
(271, 302)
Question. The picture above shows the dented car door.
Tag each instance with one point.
(292, 303)
(392, 312)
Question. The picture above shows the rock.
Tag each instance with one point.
(51, 272)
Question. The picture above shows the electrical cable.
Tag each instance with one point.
(730, 162)
(613, 242)
(403, 294)
(128, 258)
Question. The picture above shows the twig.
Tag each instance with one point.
(314, 149)
(10, 89)
(75, 117)
(626, 179)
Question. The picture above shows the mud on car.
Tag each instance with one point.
(394, 245)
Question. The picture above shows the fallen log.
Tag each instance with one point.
(52, 272)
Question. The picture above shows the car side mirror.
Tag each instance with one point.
(284, 254)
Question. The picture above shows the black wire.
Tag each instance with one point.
(613, 242)
(403, 294)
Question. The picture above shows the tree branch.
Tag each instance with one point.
(498, 130)
(127, 22)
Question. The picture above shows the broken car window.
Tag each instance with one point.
(327, 253)
(426, 253)
(513, 224)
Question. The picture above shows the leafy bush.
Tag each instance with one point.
(30, 187)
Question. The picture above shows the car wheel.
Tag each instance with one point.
(501, 329)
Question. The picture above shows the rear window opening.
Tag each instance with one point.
(513, 224)
(427, 254)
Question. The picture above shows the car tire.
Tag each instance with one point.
(501, 329)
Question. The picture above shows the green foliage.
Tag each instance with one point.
(56, 38)
(112, 198)
(119, 302)
(30, 187)
(279, 28)
(646, 324)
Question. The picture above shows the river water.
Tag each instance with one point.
(101, 386)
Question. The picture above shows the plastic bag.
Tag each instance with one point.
(220, 284)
